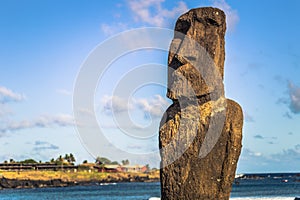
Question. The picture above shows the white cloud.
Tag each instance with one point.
(149, 12)
(8, 125)
(288, 155)
(257, 154)
(248, 153)
(111, 29)
(232, 17)
(153, 107)
(42, 146)
(64, 92)
(86, 111)
(152, 12)
(294, 92)
(7, 95)
(115, 104)
(286, 160)
(61, 120)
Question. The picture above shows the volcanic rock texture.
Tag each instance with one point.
(201, 132)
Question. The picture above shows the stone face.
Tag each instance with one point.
(201, 132)
(205, 27)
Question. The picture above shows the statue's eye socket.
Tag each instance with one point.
(212, 22)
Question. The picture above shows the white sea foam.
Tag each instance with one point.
(249, 198)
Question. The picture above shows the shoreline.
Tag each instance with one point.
(39, 179)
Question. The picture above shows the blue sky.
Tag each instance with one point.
(43, 45)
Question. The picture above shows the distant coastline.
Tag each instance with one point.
(62, 172)
(40, 179)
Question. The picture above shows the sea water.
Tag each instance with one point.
(256, 187)
(114, 191)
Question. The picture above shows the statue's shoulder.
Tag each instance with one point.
(235, 115)
(234, 108)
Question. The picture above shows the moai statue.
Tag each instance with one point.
(201, 132)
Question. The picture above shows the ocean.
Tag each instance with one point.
(249, 187)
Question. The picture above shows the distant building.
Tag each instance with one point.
(35, 166)
(108, 168)
(134, 168)
(86, 166)
(122, 168)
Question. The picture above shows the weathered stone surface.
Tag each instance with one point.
(206, 27)
(201, 120)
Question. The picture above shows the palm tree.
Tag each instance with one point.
(125, 162)
(60, 158)
(71, 158)
(60, 161)
(67, 157)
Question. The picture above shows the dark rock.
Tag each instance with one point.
(14, 183)
(201, 132)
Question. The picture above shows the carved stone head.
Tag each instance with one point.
(197, 54)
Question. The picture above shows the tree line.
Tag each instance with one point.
(70, 159)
